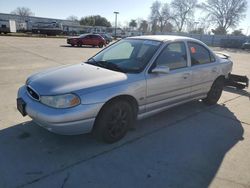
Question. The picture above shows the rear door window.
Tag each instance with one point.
(199, 54)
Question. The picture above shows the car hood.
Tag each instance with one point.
(73, 78)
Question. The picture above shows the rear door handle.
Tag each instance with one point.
(186, 75)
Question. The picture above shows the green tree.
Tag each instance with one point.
(238, 32)
(133, 23)
(95, 20)
(144, 26)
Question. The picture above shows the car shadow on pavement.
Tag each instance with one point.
(181, 147)
(237, 91)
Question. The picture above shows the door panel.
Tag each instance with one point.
(86, 40)
(172, 87)
(204, 68)
(203, 78)
(167, 89)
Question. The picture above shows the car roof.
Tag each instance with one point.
(87, 34)
(162, 38)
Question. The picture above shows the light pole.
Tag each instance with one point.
(115, 22)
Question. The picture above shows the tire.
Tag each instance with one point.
(215, 92)
(113, 121)
(72, 45)
(100, 45)
(79, 44)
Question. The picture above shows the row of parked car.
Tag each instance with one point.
(99, 40)
(246, 45)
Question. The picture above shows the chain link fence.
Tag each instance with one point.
(225, 41)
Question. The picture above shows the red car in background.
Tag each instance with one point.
(87, 39)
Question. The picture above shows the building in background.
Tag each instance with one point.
(50, 26)
(33, 24)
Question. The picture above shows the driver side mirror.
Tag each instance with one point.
(161, 70)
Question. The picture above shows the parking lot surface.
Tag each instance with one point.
(191, 145)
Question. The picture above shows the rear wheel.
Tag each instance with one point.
(79, 44)
(100, 45)
(113, 121)
(215, 92)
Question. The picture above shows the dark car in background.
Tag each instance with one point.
(246, 45)
(87, 39)
(107, 37)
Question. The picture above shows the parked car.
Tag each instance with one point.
(246, 45)
(107, 37)
(87, 39)
(131, 79)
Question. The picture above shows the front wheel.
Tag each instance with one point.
(113, 121)
(215, 92)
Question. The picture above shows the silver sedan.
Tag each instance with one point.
(132, 79)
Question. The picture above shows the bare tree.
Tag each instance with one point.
(72, 18)
(23, 12)
(182, 10)
(165, 16)
(154, 16)
(160, 15)
(225, 14)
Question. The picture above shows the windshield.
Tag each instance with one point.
(127, 55)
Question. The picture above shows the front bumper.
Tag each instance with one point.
(70, 121)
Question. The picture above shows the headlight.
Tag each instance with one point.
(61, 101)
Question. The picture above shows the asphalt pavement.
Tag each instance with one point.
(191, 145)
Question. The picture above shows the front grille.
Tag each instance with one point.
(33, 94)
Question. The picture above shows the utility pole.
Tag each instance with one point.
(115, 22)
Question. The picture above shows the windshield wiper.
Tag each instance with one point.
(106, 64)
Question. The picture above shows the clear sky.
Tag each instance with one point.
(129, 9)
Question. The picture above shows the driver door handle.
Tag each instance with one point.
(214, 69)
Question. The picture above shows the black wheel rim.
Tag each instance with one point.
(216, 91)
(118, 122)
